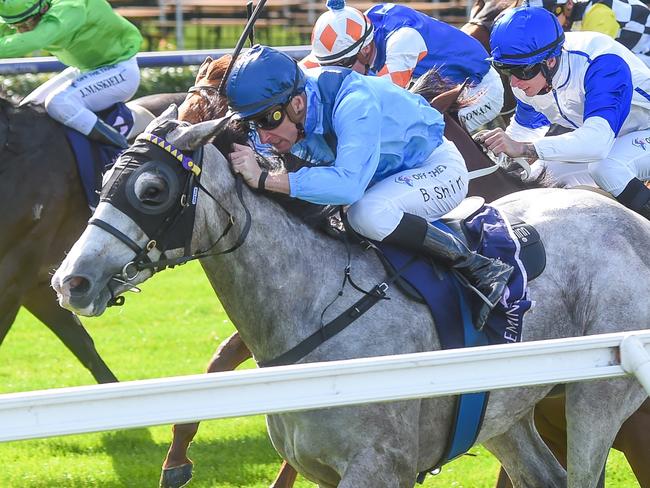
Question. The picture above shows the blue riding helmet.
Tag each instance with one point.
(262, 78)
(526, 36)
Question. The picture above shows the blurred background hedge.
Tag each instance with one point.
(153, 80)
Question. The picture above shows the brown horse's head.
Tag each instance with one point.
(204, 102)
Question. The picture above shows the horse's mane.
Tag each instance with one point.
(432, 83)
(8, 106)
(314, 215)
(22, 127)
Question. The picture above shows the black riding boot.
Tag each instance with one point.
(636, 196)
(487, 276)
(104, 133)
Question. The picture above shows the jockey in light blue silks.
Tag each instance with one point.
(390, 161)
(400, 43)
(580, 80)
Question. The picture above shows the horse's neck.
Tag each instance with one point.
(38, 170)
(275, 286)
(492, 186)
(33, 142)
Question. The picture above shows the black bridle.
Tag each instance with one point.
(142, 260)
(181, 214)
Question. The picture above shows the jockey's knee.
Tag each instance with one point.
(610, 175)
(64, 108)
(373, 217)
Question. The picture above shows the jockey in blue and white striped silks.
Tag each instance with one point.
(583, 81)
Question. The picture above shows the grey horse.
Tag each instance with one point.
(275, 286)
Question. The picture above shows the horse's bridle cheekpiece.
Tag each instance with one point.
(174, 208)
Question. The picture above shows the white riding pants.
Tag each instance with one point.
(431, 190)
(628, 159)
(488, 101)
(72, 97)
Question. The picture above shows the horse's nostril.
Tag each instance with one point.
(78, 285)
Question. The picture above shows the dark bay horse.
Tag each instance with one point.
(201, 105)
(45, 210)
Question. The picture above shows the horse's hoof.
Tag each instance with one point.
(176, 477)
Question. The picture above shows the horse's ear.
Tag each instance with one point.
(170, 113)
(443, 102)
(218, 69)
(192, 136)
(203, 69)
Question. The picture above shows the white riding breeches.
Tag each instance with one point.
(72, 97)
(628, 159)
(431, 190)
(487, 104)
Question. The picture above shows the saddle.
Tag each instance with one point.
(531, 254)
(93, 158)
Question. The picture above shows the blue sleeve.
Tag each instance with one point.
(527, 116)
(608, 90)
(357, 123)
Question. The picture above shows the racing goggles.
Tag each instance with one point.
(523, 72)
(270, 119)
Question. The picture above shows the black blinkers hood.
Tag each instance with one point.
(171, 221)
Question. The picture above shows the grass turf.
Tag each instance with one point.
(171, 329)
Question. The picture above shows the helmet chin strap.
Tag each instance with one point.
(549, 73)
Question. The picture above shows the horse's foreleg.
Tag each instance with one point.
(634, 441)
(230, 354)
(380, 466)
(551, 426)
(41, 301)
(526, 458)
(9, 307)
(286, 476)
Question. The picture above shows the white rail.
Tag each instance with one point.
(319, 385)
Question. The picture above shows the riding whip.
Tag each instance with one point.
(248, 31)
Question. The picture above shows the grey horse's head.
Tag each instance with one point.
(145, 215)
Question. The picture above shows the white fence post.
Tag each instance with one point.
(635, 360)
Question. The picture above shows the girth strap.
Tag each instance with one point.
(335, 326)
(330, 329)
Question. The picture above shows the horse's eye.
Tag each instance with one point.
(151, 189)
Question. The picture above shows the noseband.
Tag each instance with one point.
(157, 225)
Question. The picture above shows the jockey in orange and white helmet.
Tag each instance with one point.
(401, 43)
